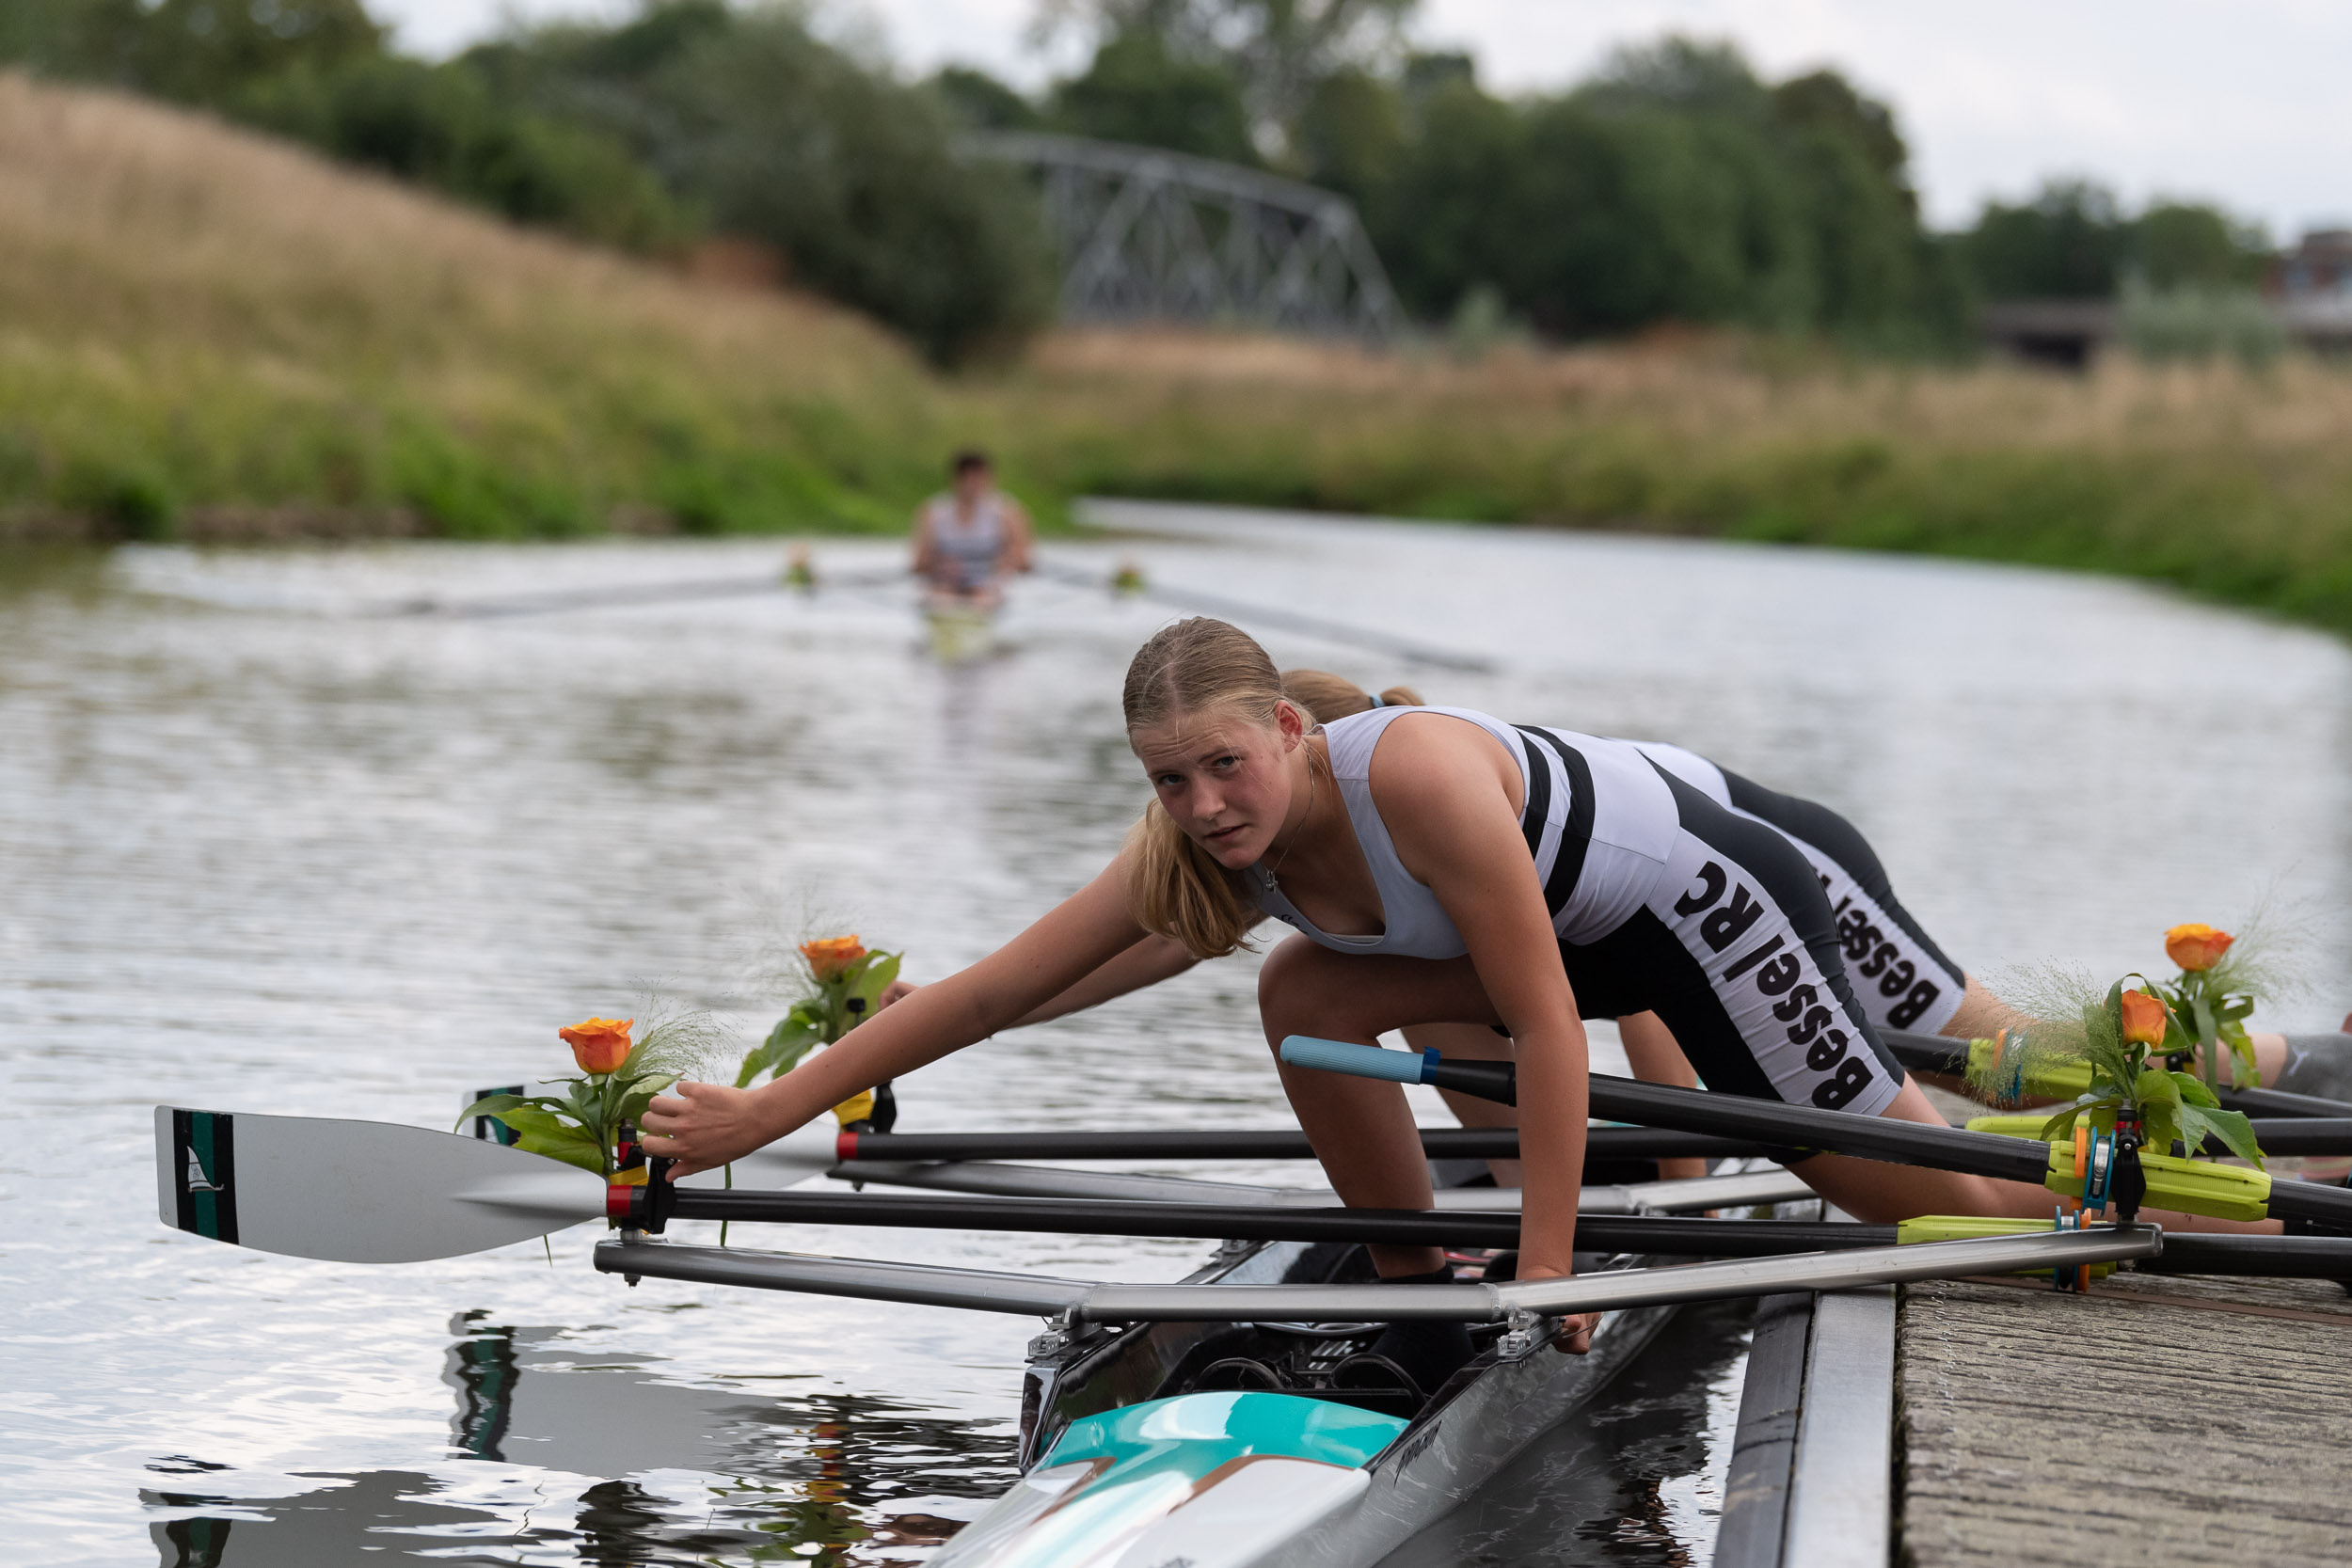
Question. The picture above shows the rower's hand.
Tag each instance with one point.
(1575, 1331)
(897, 990)
(702, 1125)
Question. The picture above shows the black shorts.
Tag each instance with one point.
(1900, 976)
(1738, 952)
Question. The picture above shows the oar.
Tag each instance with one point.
(1086, 1301)
(598, 595)
(1941, 1053)
(1499, 1082)
(1246, 615)
(1439, 1143)
(1005, 1181)
(374, 1192)
(651, 1208)
(1831, 1132)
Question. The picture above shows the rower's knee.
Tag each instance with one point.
(1301, 990)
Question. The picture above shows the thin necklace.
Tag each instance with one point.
(1277, 866)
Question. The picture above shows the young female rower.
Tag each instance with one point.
(1902, 980)
(1440, 866)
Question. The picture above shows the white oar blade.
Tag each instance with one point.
(357, 1192)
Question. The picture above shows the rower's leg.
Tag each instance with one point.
(1472, 1042)
(1362, 1130)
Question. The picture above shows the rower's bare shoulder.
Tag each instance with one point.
(1434, 760)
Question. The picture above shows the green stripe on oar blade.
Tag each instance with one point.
(198, 1169)
(357, 1192)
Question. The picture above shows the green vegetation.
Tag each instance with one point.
(206, 333)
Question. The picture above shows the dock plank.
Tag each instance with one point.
(2010, 1451)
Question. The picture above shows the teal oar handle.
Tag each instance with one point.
(1495, 1081)
(1358, 1061)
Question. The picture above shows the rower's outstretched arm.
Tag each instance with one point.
(1147, 963)
(706, 1125)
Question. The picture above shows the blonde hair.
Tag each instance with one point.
(1328, 696)
(1175, 887)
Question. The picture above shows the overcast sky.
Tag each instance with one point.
(2243, 102)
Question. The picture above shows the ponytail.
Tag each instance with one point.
(1330, 697)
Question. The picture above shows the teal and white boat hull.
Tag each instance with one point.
(1232, 1478)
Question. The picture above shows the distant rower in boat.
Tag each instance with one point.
(1440, 866)
(969, 539)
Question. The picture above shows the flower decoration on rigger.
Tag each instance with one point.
(2212, 998)
(847, 983)
(2119, 1043)
(592, 1123)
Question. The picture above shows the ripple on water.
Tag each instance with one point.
(263, 849)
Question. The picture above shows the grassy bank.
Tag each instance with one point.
(206, 334)
(2232, 485)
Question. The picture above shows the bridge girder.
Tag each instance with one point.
(1145, 234)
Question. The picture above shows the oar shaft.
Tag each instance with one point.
(1439, 1143)
(1092, 1302)
(1941, 1053)
(1691, 1238)
(1809, 1126)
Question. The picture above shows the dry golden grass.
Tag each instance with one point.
(320, 333)
(207, 331)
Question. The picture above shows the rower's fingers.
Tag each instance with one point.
(1575, 1334)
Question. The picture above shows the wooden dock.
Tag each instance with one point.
(2155, 1420)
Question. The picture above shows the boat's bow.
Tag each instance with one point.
(1212, 1479)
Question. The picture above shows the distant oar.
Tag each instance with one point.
(556, 600)
(1248, 616)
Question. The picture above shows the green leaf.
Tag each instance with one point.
(872, 977)
(491, 1104)
(587, 1156)
(633, 1104)
(2236, 1133)
(2160, 1109)
(2063, 1124)
(2192, 1089)
(786, 1043)
(540, 1130)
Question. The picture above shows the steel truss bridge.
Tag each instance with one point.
(1151, 235)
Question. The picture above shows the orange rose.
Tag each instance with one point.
(829, 955)
(2143, 1019)
(599, 1044)
(2196, 947)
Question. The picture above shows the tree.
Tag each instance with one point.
(1139, 90)
(1276, 51)
(983, 102)
(2176, 245)
(777, 137)
(2067, 243)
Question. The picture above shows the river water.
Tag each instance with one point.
(266, 847)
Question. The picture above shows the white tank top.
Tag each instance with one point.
(1598, 820)
(967, 548)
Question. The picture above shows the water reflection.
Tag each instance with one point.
(261, 850)
(1637, 1482)
(699, 1475)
